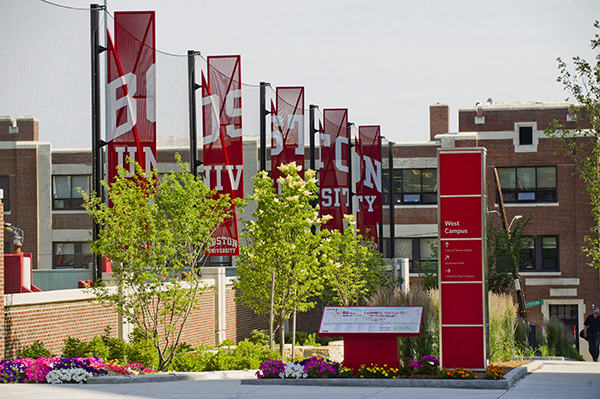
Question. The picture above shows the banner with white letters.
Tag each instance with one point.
(287, 130)
(334, 196)
(131, 113)
(223, 150)
(368, 181)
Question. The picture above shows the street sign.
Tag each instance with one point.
(534, 303)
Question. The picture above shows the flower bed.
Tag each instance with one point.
(57, 370)
(426, 367)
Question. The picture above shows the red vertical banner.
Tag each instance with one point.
(368, 181)
(131, 109)
(462, 271)
(223, 150)
(287, 130)
(334, 197)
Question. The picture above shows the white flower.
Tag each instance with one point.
(293, 370)
(69, 375)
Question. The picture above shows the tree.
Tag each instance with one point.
(507, 250)
(156, 232)
(583, 85)
(353, 266)
(278, 266)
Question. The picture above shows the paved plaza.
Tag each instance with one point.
(555, 379)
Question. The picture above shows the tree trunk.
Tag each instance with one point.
(293, 333)
(282, 339)
(271, 333)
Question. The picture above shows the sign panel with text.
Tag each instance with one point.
(462, 258)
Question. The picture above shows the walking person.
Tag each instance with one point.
(592, 332)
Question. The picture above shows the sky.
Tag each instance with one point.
(386, 61)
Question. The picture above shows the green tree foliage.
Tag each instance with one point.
(583, 86)
(353, 267)
(278, 242)
(428, 270)
(156, 233)
(506, 252)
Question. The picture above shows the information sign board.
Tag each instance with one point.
(395, 320)
(461, 260)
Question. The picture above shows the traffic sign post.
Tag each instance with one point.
(462, 276)
(534, 303)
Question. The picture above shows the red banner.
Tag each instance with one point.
(368, 181)
(131, 112)
(223, 151)
(334, 168)
(287, 127)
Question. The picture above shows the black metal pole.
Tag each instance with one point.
(96, 147)
(192, 111)
(392, 210)
(311, 136)
(263, 127)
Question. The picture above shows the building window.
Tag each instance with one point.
(72, 255)
(4, 187)
(65, 194)
(411, 186)
(418, 249)
(543, 255)
(525, 135)
(528, 184)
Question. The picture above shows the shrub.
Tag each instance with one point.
(143, 352)
(74, 347)
(260, 337)
(35, 350)
(559, 343)
(97, 348)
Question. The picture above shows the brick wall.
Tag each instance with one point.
(503, 119)
(54, 320)
(439, 119)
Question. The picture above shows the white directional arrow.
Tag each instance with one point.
(448, 270)
(447, 243)
(447, 257)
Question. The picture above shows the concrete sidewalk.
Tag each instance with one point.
(555, 379)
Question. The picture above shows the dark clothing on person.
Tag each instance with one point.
(593, 335)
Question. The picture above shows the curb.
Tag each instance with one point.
(505, 384)
(248, 377)
(203, 375)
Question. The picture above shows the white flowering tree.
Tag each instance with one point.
(352, 265)
(278, 267)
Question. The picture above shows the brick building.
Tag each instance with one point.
(535, 180)
(40, 197)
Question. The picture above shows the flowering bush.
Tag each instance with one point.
(61, 369)
(270, 369)
(428, 365)
(316, 367)
(375, 371)
(458, 373)
(494, 373)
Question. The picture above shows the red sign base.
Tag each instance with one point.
(367, 349)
